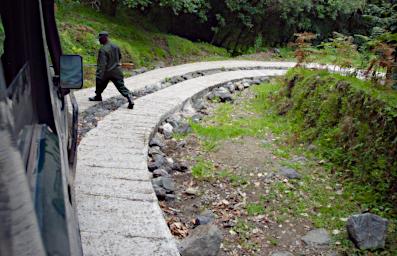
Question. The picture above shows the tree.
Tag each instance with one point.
(109, 7)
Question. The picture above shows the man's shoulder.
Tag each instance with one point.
(103, 49)
(112, 45)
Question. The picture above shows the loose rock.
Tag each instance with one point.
(164, 182)
(160, 173)
(170, 197)
(223, 94)
(167, 130)
(157, 140)
(210, 96)
(204, 218)
(199, 104)
(174, 120)
(183, 128)
(282, 254)
(179, 167)
(367, 231)
(239, 86)
(246, 84)
(289, 173)
(205, 240)
(191, 191)
(155, 151)
(188, 110)
(317, 237)
(160, 192)
(230, 87)
(197, 118)
(159, 162)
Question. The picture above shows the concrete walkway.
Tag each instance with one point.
(117, 207)
(138, 82)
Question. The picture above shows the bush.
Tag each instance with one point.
(354, 123)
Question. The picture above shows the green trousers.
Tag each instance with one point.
(117, 77)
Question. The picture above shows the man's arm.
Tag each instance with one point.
(118, 49)
(101, 64)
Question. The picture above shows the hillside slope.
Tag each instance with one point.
(141, 43)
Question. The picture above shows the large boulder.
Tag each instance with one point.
(317, 238)
(367, 231)
(205, 240)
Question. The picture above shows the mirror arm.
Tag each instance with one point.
(60, 92)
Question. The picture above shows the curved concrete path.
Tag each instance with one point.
(117, 207)
(154, 76)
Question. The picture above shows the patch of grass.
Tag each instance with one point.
(273, 241)
(323, 195)
(179, 136)
(238, 180)
(326, 195)
(293, 165)
(223, 126)
(255, 209)
(203, 170)
(235, 179)
(209, 145)
(279, 152)
(140, 42)
(243, 229)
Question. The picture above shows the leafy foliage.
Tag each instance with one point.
(381, 17)
(385, 58)
(341, 45)
(140, 44)
(353, 123)
(303, 43)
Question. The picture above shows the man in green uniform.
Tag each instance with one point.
(108, 69)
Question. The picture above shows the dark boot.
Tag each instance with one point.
(130, 102)
(95, 98)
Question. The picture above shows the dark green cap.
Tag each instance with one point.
(103, 33)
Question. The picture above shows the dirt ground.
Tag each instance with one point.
(244, 170)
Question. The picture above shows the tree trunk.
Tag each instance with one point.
(109, 7)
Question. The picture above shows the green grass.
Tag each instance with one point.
(236, 180)
(317, 199)
(203, 170)
(223, 127)
(140, 42)
(255, 209)
(327, 194)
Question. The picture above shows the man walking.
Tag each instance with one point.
(108, 69)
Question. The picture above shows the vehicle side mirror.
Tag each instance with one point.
(71, 75)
